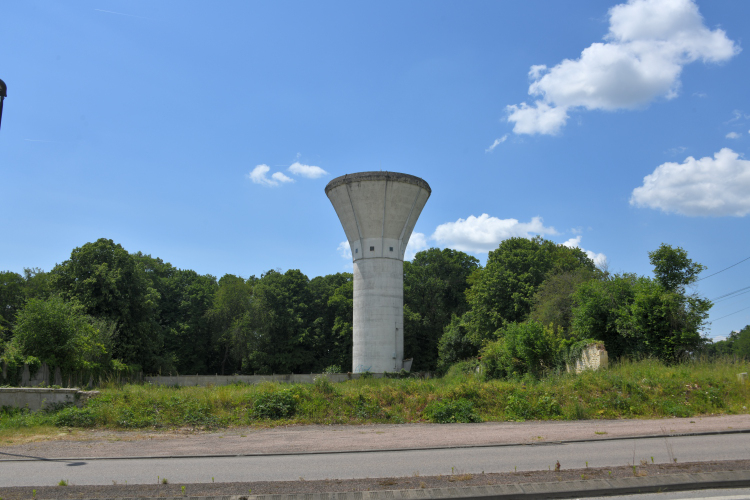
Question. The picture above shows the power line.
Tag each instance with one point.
(717, 272)
(732, 297)
(726, 295)
(735, 312)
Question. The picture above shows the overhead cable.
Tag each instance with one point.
(717, 272)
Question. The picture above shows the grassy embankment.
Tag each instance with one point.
(644, 389)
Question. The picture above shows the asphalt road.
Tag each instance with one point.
(721, 494)
(33, 472)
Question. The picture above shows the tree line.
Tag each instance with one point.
(108, 309)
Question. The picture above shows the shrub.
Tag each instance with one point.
(522, 348)
(446, 412)
(276, 405)
(72, 416)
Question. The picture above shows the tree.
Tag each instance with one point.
(277, 330)
(232, 301)
(59, 333)
(636, 316)
(328, 344)
(12, 298)
(522, 348)
(673, 269)
(110, 283)
(553, 302)
(502, 292)
(435, 282)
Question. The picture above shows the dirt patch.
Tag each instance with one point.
(391, 483)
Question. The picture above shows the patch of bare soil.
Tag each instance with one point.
(334, 486)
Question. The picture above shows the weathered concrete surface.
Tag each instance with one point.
(378, 211)
(35, 398)
(593, 357)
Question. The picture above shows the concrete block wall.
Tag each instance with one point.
(35, 398)
(206, 380)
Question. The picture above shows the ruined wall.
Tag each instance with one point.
(593, 357)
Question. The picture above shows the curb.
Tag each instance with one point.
(384, 450)
(529, 491)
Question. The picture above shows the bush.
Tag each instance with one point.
(522, 348)
(72, 416)
(447, 412)
(276, 405)
(522, 407)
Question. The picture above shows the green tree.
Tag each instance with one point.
(329, 347)
(636, 316)
(60, 334)
(12, 298)
(503, 291)
(435, 282)
(111, 284)
(231, 302)
(553, 302)
(341, 303)
(673, 269)
(277, 331)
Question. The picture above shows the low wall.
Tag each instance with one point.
(37, 398)
(205, 380)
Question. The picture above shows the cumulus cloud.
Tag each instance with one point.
(717, 186)
(417, 243)
(733, 135)
(259, 176)
(599, 258)
(648, 44)
(484, 233)
(309, 171)
(345, 250)
(496, 143)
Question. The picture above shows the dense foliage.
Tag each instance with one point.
(105, 308)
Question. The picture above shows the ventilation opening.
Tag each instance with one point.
(356, 250)
(372, 249)
(391, 249)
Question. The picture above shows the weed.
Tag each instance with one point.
(33, 493)
(652, 459)
(557, 466)
(212, 479)
(276, 405)
(422, 484)
(444, 412)
(183, 490)
(600, 433)
(587, 464)
(62, 482)
(164, 480)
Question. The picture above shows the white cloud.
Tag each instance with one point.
(733, 135)
(484, 233)
(648, 43)
(309, 171)
(496, 143)
(417, 243)
(715, 186)
(345, 250)
(258, 176)
(599, 258)
(541, 118)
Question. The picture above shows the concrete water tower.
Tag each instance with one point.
(378, 211)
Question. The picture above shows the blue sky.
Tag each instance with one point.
(205, 133)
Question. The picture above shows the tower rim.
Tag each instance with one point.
(378, 176)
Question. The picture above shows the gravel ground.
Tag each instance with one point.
(458, 479)
(317, 438)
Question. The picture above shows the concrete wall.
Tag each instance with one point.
(37, 398)
(378, 211)
(593, 357)
(206, 380)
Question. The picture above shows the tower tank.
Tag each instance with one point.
(378, 211)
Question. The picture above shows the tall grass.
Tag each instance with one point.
(640, 389)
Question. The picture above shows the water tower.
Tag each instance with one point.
(378, 211)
